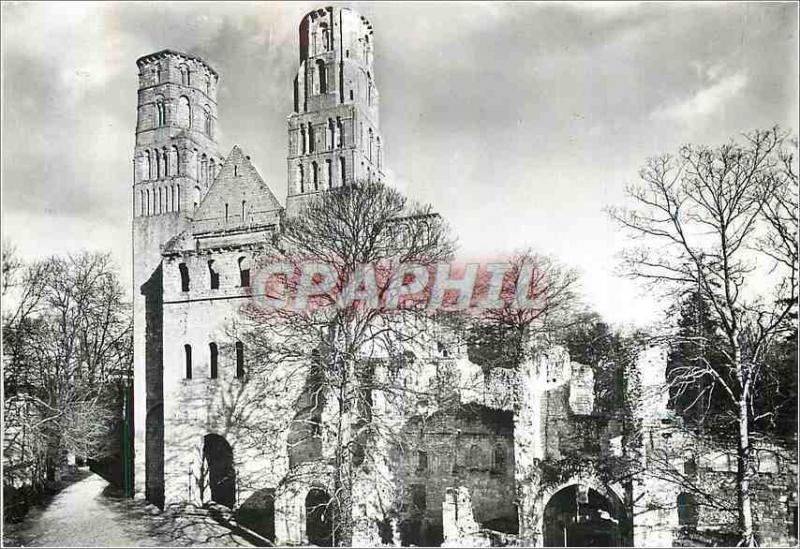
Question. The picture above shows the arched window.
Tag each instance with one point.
(208, 86)
(239, 360)
(475, 457)
(174, 207)
(326, 36)
(301, 143)
(197, 196)
(160, 200)
(213, 173)
(499, 459)
(209, 129)
(157, 157)
(370, 144)
(328, 174)
(161, 113)
(184, 112)
(244, 211)
(213, 275)
(422, 461)
(187, 352)
(301, 178)
(166, 163)
(226, 212)
(167, 199)
(329, 134)
(315, 175)
(184, 270)
(149, 163)
(184, 75)
(213, 355)
(322, 77)
(178, 188)
(148, 201)
(176, 162)
(342, 171)
(339, 132)
(244, 272)
(380, 160)
(311, 143)
(141, 202)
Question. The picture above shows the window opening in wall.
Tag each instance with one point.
(244, 272)
(187, 352)
(184, 270)
(214, 275)
(239, 360)
(213, 355)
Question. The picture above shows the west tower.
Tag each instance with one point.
(333, 132)
(174, 163)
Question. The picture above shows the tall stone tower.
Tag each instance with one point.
(174, 163)
(334, 138)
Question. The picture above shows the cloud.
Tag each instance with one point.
(707, 101)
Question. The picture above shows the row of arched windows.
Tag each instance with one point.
(158, 75)
(162, 163)
(318, 176)
(213, 360)
(160, 200)
(334, 136)
(213, 275)
(184, 114)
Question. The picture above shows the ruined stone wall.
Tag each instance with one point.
(469, 446)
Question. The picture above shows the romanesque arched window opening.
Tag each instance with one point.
(311, 143)
(161, 113)
(178, 198)
(184, 75)
(176, 163)
(213, 274)
(322, 76)
(213, 357)
(208, 126)
(158, 168)
(328, 174)
(380, 160)
(226, 213)
(239, 360)
(301, 143)
(149, 162)
(184, 270)
(184, 112)
(301, 178)
(326, 37)
(315, 175)
(187, 353)
(499, 459)
(329, 134)
(422, 461)
(342, 171)
(370, 145)
(197, 195)
(167, 172)
(244, 272)
(148, 201)
(339, 132)
(141, 202)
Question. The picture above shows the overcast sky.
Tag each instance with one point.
(518, 122)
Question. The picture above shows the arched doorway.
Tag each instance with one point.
(218, 462)
(318, 518)
(578, 516)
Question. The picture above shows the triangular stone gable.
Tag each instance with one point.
(238, 183)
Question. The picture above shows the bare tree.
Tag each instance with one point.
(719, 222)
(351, 329)
(502, 332)
(66, 334)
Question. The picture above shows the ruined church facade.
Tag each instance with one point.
(474, 464)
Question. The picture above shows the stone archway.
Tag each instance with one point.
(221, 474)
(578, 515)
(319, 526)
